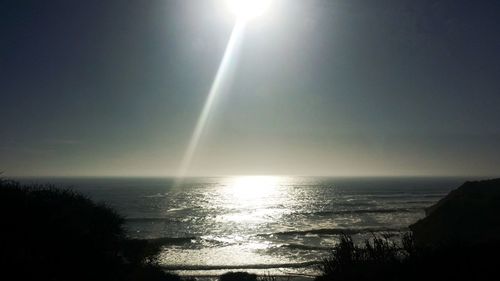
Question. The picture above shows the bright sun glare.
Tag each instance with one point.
(248, 9)
(248, 188)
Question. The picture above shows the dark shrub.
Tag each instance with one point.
(348, 261)
(381, 259)
(238, 276)
(54, 234)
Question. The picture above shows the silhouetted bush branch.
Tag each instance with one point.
(381, 258)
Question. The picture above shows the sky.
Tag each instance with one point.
(316, 87)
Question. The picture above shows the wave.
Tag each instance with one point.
(320, 213)
(157, 219)
(305, 247)
(406, 195)
(368, 211)
(241, 266)
(334, 231)
(157, 195)
(148, 219)
(427, 202)
(171, 240)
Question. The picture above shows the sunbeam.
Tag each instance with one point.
(220, 80)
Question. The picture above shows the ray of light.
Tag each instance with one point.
(220, 79)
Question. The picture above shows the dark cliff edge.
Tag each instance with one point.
(469, 214)
(459, 239)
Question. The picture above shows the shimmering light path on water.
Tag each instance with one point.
(260, 224)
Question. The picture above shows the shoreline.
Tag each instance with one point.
(307, 270)
(275, 277)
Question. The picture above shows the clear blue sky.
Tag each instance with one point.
(320, 87)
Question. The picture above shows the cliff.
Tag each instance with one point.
(469, 214)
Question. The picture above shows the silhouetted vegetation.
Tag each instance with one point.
(381, 258)
(269, 277)
(238, 276)
(54, 234)
(458, 240)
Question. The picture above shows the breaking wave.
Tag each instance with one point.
(241, 266)
(334, 231)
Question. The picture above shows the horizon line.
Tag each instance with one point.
(254, 175)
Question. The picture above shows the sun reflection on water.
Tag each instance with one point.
(263, 223)
(250, 188)
(252, 199)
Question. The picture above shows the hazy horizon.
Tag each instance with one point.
(187, 177)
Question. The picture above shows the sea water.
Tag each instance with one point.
(261, 224)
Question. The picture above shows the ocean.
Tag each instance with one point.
(260, 224)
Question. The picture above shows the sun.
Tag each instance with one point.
(248, 9)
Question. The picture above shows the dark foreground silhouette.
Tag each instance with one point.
(469, 214)
(53, 234)
(383, 259)
(459, 239)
